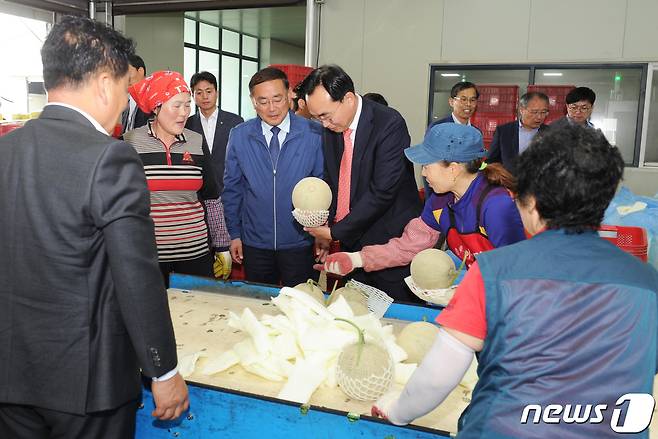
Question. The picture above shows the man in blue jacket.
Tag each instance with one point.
(265, 158)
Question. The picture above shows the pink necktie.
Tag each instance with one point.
(345, 177)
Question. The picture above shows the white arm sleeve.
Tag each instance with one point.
(438, 374)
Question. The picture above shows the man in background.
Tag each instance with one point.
(132, 117)
(512, 138)
(463, 101)
(214, 124)
(580, 105)
(82, 302)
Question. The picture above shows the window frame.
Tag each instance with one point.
(197, 47)
(639, 144)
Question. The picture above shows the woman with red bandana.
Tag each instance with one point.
(471, 207)
(185, 203)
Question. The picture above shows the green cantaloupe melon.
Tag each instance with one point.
(311, 194)
(311, 288)
(416, 339)
(432, 269)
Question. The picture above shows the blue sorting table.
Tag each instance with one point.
(217, 412)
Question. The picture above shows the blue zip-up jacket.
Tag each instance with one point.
(257, 196)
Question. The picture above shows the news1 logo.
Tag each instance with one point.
(638, 413)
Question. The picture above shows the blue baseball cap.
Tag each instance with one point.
(450, 142)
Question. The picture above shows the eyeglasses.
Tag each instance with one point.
(464, 100)
(262, 102)
(538, 112)
(329, 116)
(582, 108)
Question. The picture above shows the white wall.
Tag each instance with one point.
(387, 46)
(159, 39)
(278, 52)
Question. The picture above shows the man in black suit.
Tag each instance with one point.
(512, 138)
(82, 301)
(375, 194)
(214, 124)
(132, 117)
(463, 101)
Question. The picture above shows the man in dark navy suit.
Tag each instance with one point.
(213, 123)
(512, 138)
(375, 194)
(464, 101)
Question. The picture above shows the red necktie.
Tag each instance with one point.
(345, 177)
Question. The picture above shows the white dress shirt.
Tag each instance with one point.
(209, 124)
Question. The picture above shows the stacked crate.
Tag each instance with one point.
(557, 104)
(496, 106)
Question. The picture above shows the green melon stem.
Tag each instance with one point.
(362, 340)
(454, 278)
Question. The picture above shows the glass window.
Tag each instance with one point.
(249, 46)
(209, 62)
(651, 149)
(189, 31)
(444, 80)
(617, 100)
(230, 41)
(249, 68)
(189, 66)
(208, 36)
(230, 84)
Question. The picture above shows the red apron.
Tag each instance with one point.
(469, 243)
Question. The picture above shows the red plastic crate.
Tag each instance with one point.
(557, 104)
(294, 72)
(631, 239)
(7, 127)
(499, 99)
(487, 123)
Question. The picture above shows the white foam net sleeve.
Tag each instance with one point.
(311, 218)
(378, 301)
(366, 389)
(440, 296)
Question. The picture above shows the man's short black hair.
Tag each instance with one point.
(376, 97)
(78, 47)
(203, 76)
(268, 74)
(464, 85)
(581, 94)
(299, 92)
(572, 172)
(137, 62)
(333, 78)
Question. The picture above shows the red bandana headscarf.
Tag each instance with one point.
(156, 89)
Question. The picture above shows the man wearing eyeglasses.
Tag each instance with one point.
(580, 104)
(375, 194)
(265, 158)
(512, 138)
(464, 101)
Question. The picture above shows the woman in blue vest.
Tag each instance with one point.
(470, 206)
(565, 323)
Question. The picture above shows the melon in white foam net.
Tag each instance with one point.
(311, 194)
(433, 269)
(311, 288)
(364, 371)
(416, 339)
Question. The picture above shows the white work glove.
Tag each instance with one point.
(383, 405)
(341, 263)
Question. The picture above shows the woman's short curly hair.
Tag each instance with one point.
(572, 172)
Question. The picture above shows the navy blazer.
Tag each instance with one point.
(505, 145)
(225, 122)
(383, 191)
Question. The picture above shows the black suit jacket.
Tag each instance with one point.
(383, 191)
(505, 145)
(82, 300)
(225, 122)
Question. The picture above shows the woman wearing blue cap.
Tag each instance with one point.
(471, 208)
(565, 322)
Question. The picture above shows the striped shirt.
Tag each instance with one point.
(179, 179)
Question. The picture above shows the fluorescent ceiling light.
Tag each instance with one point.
(553, 74)
(449, 75)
